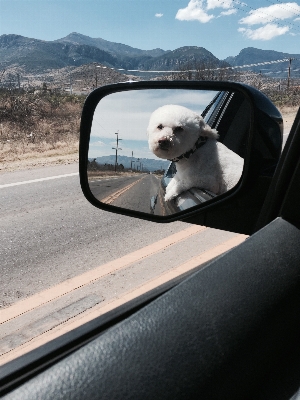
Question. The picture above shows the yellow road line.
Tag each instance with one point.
(86, 278)
(109, 199)
(100, 309)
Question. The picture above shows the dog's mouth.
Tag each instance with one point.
(165, 143)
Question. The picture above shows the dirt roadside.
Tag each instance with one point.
(288, 115)
(40, 160)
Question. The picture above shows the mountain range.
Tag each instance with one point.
(251, 55)
(35, 55)
(148, 163)
(39, 56)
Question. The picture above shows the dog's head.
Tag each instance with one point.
(173, 130)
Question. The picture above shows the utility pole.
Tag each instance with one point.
(101, 74)
(19, 84)
(71, 87)
(117, 148)
(96, 74)
(289, 73)
(131, 160)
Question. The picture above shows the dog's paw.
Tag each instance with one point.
(168, 198)
(171, 194)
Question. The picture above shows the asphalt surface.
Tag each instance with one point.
(131, 192)
(69, 262)
(49, 232)
(138, 196)
(104, 187)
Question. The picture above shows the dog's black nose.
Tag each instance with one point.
(164, 144)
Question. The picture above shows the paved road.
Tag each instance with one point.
(50, 232)
(102, 188)
(131, 192)
(138, 196)
(63, 259)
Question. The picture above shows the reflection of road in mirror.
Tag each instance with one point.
(131, 192)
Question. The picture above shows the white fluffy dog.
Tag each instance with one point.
(178, 134)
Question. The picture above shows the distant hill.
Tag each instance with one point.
(148, 164)
(116, 49)
(181, 56)
(251, 55)
(38, 56)
(132, 58)
(34, 55)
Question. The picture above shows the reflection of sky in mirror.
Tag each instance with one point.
(128, 114)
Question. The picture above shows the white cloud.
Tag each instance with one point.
(195, 11)
(266, 32)
(264, 15)
(129, 112)
(99, 143)
(211, 4)
(229, 12)
(159, 15)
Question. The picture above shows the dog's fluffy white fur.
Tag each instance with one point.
(172, 131)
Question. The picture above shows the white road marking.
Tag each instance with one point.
(38, 180)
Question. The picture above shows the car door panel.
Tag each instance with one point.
(224, 332)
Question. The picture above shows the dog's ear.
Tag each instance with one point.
(206, 130)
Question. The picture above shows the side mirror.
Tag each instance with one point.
(202, 152)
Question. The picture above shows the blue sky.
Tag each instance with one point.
(128, 114)
(223, 27)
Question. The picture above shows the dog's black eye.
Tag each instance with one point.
(178, 129)
(160, 127)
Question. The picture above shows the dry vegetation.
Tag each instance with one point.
(38, 127)
(285, 97)
(38, 123)
(40, 117)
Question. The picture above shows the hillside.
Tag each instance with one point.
(132, 58)
(251, 55)
(187, 55)
(34, 56)
(148, 164)
(116, 49)
(38, 56)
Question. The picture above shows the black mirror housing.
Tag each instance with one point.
(236, 210)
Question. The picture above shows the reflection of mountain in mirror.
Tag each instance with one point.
(129, 167)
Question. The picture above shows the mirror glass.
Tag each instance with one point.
(161, 151)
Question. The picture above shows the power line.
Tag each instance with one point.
(271, 17)
(213, 69)
(277, 19)
(284, 8)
